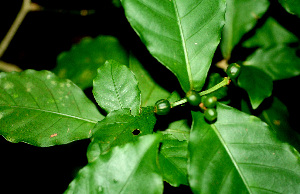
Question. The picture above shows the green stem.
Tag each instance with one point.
(223, 83)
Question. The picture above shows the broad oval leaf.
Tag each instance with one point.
(270, 34)
(80, 64)
(118, 128)
(291, 6)
(257, 84)
(115, 87)
(240, 18)
(173, 153)
(151, 92)
(182, 35)
(40, 109)
(131, 168)
(280, 62)
(240, 154)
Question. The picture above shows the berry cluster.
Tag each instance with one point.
(206, 103)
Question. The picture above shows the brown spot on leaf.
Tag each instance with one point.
(53, 135)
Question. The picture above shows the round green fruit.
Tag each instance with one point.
(193, 98)
(162, 107)
(210, 114)
(210, 102)
(233, 70)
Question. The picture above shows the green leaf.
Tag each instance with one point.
(270, 34)
(291, 6)
(173, 153)
(41, 109)
(280, 62)
(118, 128)
(150, 90)
(115, 87)
(258, 84)
(277, 117)
(182, 35)
(240, 154)
(131, 168)
(240, 18)
(80, 64)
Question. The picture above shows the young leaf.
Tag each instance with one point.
(118, 128)
(240, 18)
(270, 34)
(240, 154)
(280, 62)
(41, 109)
(258, 84)
(151, 92)
(173, 153)
(80, 64)
(131, 168)
(291, 6)
(182, 35)
(115, 87)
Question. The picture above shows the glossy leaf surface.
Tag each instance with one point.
(240, 18)
(40, 109)
(270, 34)
(173, 153)
(131, 168)
(240, 154)
(116, 87)
(182, 35)
(150, 90)
(80, 64)
(119, 128)
(291, 6)
(280, 62)
(257, 84)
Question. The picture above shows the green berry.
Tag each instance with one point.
(210, 102)
(210, 114)
(162, 107)
(233, 70)
(193, 98)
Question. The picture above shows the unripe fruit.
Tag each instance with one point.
(162, 107)
(210, 102)
(233, 70)
(193, 98)
(210, 114)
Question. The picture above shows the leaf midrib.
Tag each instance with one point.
(187, 62)
(52, 112)
(231, 157)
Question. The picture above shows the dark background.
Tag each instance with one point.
(45, 34)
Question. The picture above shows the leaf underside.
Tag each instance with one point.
(180, 38)
(42, 110)
(240, 154)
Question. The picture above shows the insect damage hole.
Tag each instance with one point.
(136, 132)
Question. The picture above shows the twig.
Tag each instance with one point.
(8, 67)
(26, 7)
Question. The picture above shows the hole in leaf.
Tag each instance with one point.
(136, 132)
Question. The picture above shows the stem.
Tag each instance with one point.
(8, 67)
(179, 102)
(14, 27)
(223, 83)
